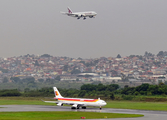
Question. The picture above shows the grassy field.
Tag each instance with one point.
(22, 101)
(161, 106)
(60, 115)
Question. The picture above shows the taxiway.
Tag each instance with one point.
(148, 115)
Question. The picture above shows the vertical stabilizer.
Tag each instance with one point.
(69, 10)
(57, 94)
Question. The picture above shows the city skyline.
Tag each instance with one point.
(117, 56)
(120, 27)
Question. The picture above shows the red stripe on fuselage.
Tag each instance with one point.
(77, 100)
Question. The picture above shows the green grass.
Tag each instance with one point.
(161, 106)
(61, 115)
(23, 101)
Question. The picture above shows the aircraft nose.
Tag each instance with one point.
(104, 103)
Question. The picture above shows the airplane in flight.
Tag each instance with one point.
(90, 14)
(76, 102)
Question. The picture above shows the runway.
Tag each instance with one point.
(148, 115)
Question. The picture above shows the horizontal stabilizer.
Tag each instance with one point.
(50, 101)
(63, 13)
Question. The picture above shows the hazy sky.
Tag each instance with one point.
(122, 27)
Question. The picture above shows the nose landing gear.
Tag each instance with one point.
(100, 107)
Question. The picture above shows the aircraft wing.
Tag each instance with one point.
(65, 13)
(74, 104)
(50, 101)
(81, 105)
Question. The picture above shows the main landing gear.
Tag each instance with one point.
(74, 107)
(83, 107)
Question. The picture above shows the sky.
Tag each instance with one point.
(125, 27)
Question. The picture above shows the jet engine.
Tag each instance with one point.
(91, 16)
(79, 16)
(75, 106)
(59, 104)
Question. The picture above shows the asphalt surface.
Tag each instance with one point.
(148, 115)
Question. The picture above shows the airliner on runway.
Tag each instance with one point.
(90, 14)
(76, 102)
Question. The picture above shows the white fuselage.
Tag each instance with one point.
(90, 14)
(82, 102)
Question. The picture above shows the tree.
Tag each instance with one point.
(15, 79)
(161, 83)
(75, 71)
(65, 68)
(13, 92)
(148, 54)
(118, 56)
(153, 89)
(58, 78)
(29, 80)
(128, 90)
(5, 80)
(165, 83)
(112, 87)
(79, 58)
(82, 93)
(126, 86)
(26, 90)
(31, 83)
(45, 55)
(143, 87)
(96, 61)
(41, 80)
(161, 53)
(131, 56)
(36, 63)
(112, 97)
(101, 87)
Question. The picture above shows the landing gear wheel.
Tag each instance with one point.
(83, 107)
(100, 108)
